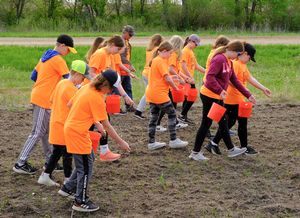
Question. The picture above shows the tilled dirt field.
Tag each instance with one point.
(165, 183)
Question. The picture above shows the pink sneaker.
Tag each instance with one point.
(109, 156)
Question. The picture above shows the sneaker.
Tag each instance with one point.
(85, 207)
(109, 156)
(156, 145)
(232, 132)
(177, 143)
(160, 129)
(251, 151)
(181, 125)
(198, 156)
(138, 114)
(214, 149)
(185, 119)
(66, 193)
(45, 179)
(235, 151)
(26, 168)
(209, 135)
(130, 109)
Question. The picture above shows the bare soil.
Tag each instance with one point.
(165, 183)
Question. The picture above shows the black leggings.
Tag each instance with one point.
(186, 105)
(104, 138)
(232, 113)
(162, 113)
(206, 123)
(58, 151)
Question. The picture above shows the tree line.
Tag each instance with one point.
(150, 15)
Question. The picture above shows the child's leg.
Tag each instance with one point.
(188, 104)
(154, 112)
(67, 162)
(169, 109)
(243, 131)
(161, 115)
(126, 83)
(224, 131)
(40, 128)
(48, 149)
(142, 104)
(54, 158)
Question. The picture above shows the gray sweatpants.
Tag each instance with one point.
(167, 108)
(81, 176)
(142, 104)
(40, 130)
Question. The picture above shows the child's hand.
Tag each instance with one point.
(124, 146)
(252, 99)
(190, 80)
(223, 94)
(133, 76)
(267, 92)
(128, 100)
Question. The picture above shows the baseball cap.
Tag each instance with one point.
(250, 50)
(129, 29)
(112, 77)
(195, 39)
(81, 67)
(67, 41)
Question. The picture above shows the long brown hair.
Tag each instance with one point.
(116, 40)
(220, 41)
(164, 46)
(96, 44)
(99, 82)
(235, 45)
(155, 41)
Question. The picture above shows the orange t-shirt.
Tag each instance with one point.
(149, 55)
(88, 107)
(189, 58)
(203, 89)
(158, 89)
(173, 61)
(243, 75)
(116, 61)
(62, 94)
(101, 60)
(49, 74)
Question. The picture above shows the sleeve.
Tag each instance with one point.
(61, 67)
(215, 68)
(95, 61)
(117, 59)
(163, 69)
(247, 74)
(98, 109)
(235, 82)
(69, 93)
(172, 61)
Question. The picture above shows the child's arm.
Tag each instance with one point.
(122, 92)
(170, 81)
(172, 71)
(100, 128)
(114, 135)
(259, 86)
(200, 68)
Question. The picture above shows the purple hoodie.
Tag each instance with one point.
(219, 75)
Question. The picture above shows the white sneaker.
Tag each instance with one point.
(161, 129)
(198, 156)
(235, 151)
(177, 143)
(181, 125)
(156, 145)
(45, 179)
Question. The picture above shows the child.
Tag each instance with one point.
(157, 95)
(84, 112)
(48, 73)
(100, 61)
(96, 45)
(151, 48)
(62, 94)
(234, 97)
(188, 66)
(217, 79)
(174, 69)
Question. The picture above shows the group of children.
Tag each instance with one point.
(65, 110)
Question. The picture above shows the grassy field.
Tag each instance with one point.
(106, 34)
(277, 67)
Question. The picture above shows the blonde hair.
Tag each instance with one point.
(235, 45)
(164, 46)
(100, 82)
(177, 43)
(221, 40)
(155, 41)
(96, 44)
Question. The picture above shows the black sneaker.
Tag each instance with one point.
(130, 109)
(214, 149)
(250, 151)
(66, 193)
(58, 168)
(26, 168)
(85, 207)
(185, 119)
(209, 135)
(138, 114)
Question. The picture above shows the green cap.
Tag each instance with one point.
(81, 67)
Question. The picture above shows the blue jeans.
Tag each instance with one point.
(126, 83)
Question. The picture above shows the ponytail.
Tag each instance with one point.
(186, 41)
(235, 45)
(164, 46)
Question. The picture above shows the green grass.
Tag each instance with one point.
(277, 67)
(233, 33)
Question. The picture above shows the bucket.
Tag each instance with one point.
(245, 109)
(178, 95)
(187, 87)
(216, 112)
(192, 95)
(95, 138)
(113, 104)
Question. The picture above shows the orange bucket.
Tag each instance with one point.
(187, 87)
(192, 95)
(95, 138)
(216, 112)
(178, 95)
(113, 104)
(245, 109)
